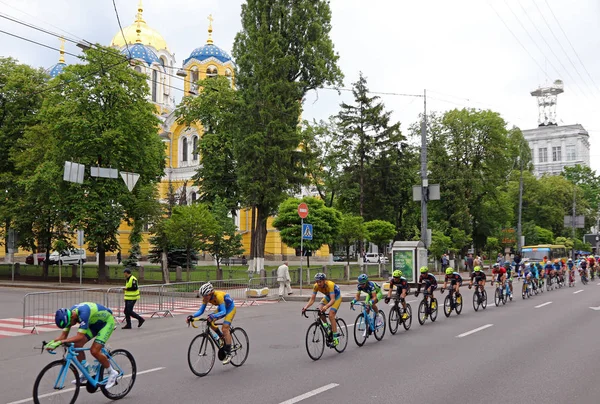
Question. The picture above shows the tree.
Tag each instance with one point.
(440, 244)
(587, 180)
(366, 131)
(492, 246)
(325, 221)
(99, 115)
(21, 96)
(380, 233)
(217, 108)
(190, 228)
(223, 242)
(282, 51)
(352, 229)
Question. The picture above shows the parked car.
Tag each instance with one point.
(375, 258)
(339, 258)
(39, 259)
(68, 257)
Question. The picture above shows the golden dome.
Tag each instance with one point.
(147, 36)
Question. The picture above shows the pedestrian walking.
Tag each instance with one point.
(132, 295)
(119, 257)
(445, 262)
(283, 277)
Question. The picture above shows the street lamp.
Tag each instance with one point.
(84, 45)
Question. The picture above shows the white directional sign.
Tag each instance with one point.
(130, 179)
(73, 172)
(104, 172)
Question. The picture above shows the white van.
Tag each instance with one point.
(375, 258)
(68, 257)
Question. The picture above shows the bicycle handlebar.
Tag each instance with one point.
(314, 310)
(203, 320)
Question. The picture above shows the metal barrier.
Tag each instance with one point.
(39, 307)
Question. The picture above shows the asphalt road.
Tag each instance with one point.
(525, 354)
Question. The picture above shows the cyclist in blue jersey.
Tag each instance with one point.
(373, 291)
(94, 320)
(509, 277)
(534, 275)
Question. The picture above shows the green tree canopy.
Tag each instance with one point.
(352, 230)
(380, 233)
(223, 242)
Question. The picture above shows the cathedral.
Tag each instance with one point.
(144, 44)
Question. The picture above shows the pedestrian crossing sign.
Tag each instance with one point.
(307, 232)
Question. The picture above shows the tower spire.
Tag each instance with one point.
(210, 30)
(61, 59)
(139, 17)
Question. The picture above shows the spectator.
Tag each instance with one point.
(132, 295)
(470, 263)
(500, 259)
(119, 257)
(445, 262)
(283, 277)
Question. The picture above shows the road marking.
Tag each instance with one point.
(595, 308)
(307, 395)
(579, 291)
(412, 301)
(73, 388)
(598, 284)
(474, 331)
(542, 305)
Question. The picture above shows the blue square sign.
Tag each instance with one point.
(307, 232)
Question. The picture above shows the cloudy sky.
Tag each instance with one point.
(466, 53)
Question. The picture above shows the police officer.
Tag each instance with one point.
(132, 294)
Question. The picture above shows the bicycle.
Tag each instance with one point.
(499, 295)
(69, 368)
(479, 297)
(526, 289)
(451, 303)
(203, 346)
(397, 313)
(425, 308)
(365, 322)
(320, 334)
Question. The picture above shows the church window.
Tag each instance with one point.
(211, 71)
(228, 75)
(154, 84)
(138, 69)
(195, 148)
(194, 197)
(184, 149)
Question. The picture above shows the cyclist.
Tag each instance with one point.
(533, 270)
(430, 282)
(571, 267)
(557, 266)
(374, 295)
(479, 276)
(583, 270)
(225, 309)
(332, 300)
(94, 320)
(402, 289)
(541, 274)
(455, 281)
(509, 277)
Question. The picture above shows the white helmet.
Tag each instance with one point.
(206, 289)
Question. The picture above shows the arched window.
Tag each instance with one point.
(194, 197)
(154, 84)
(228, 75)
(163, 61)
(211, 71)
(195, 148)
(194, 80)
(184, 149)
(138, 69)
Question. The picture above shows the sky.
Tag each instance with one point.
(487, 54)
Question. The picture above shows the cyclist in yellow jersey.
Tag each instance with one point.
(332, 300)
(225, 310)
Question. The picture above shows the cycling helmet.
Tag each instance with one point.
(496, 265)
(507, 265)
(397, 273)
(206, 289)
(320, 276)
(477, 268)
(449, 271)
(62, 318)
(363, 278)
(570, 259)
(424, 270)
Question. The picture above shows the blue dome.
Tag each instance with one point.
(204, 52)
(142, 52)
(56, 70)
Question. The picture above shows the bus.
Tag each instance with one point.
(536, 253)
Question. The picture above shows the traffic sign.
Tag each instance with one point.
(307, 231)
(303, 210)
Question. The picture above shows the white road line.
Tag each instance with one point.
(474, 331)
(73, 388)
(598, 284)
(579, 291)
(412, 301)
(307, 395)
(542, 305)
(12, 333)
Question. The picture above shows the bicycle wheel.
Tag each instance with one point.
(240, 346)
(447, 306)
(434, 311)
(504, 297)
(422, 313)
(380, 330)
(476, 300)
(360, 330)
(458, 305)
(497, 297)
(483, 299)
(407, 323)
(315, 341)
(394, 319)
(124, 363)
(201, 355)
(54, 378)
(342, 330)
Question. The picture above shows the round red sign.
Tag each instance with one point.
(303, 210)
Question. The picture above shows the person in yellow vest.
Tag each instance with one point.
(132, 295)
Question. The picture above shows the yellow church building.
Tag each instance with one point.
(147, 46)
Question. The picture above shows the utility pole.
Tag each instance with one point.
(424, 180)
(597, 226)
(573, 222)
(519, 225)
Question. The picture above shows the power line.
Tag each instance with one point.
(546, 42)
(375, 92)
(38, 43)
(554, 35)
(121, 28)
(570, 44)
